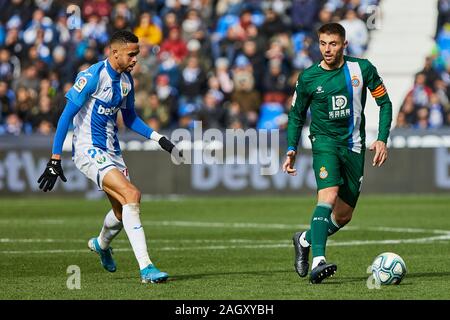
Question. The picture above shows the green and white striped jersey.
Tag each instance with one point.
(336, 99)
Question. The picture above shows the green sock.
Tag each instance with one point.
(319, 228)
(333, 227)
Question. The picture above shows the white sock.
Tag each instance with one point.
(316, 261)
(303, 242)
(111, 228)
(135, 232)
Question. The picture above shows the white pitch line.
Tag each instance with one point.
(238, 225)
(9, 240)
(244, 225)
(283, 244)
(285, 226)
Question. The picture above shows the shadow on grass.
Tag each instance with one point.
(213, 274)
(427, 274)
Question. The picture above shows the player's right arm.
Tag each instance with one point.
(76, 97)
(296, 120)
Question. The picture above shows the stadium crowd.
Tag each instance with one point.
(427, 104)
(228, 63)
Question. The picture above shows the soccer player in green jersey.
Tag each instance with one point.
(335, 91)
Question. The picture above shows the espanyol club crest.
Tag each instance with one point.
(355, 81)
(323, 173)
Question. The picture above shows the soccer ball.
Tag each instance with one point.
(388, 268)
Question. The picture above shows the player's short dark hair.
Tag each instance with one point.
(124, 36)
(332, 28)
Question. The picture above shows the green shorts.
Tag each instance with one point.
(336, 165)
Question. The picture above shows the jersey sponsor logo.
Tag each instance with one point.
(80, 84)
(106, 89)
(107, 111)
(355, 81)
(339, 108)
(323, 174)
(320, 89)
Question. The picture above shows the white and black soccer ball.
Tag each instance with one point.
(388, 268)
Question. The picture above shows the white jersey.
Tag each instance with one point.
(100, 92)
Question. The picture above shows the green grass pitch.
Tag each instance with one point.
(222, 248)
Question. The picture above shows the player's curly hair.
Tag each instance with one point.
(124, 36)
(332, 28)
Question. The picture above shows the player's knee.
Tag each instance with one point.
(328, 195)
(132, 195)
(331, 197)
(342, 220)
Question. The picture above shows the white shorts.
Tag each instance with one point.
(95, 163)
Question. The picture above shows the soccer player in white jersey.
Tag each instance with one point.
(98, 94)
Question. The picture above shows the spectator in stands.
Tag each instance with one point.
(431, 75)
(7, 100)
(14, 45)
(273, 24)
(256, 59)
(443, 93)
(356, 34)
(275, 80)
(147, 31)
(7, 66)
(167, 95)
(13, 125)
(234, 117)
(244, 92)
(223, 76)
(214, 89)
(44, 112)
(443, 15)
(436, 112)
(95, 29)
(24, 105)
(193, 27)
(51, 8)
(102, 8)
(175, 45)
(193, 82)
(401, 121)
(422, 119)
(420, 92)
(169, 22)
(303, 14)
(409, 110)
(211, 112)
(153, 111)
(117, 23)
(39, 23)
(18, 13)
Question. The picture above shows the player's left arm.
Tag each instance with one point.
(135, 123)
(379, 92)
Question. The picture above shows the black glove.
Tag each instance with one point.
(169, 147)
(48, 179)
(166, 144)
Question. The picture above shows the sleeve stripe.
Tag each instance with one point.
(378, 89)
(379, 95)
